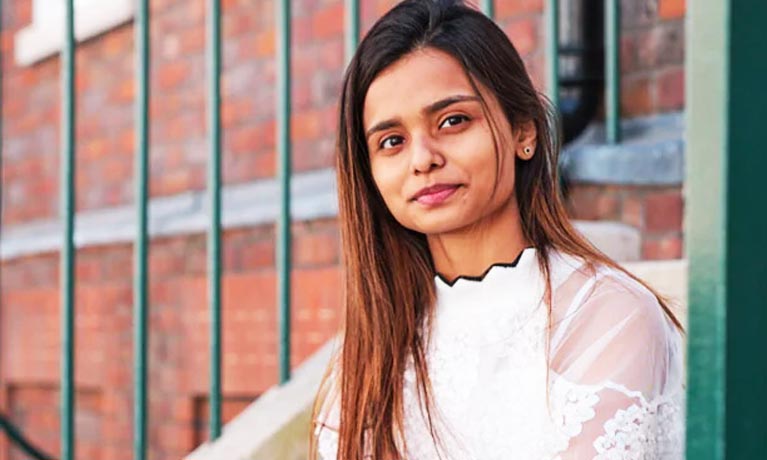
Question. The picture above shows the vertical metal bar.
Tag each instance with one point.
(140, 249)
(613, 71)
(214, 200)
(746, 233)
(67, 258)
(283, 172)
(726, 229)
(352, 26)
(706, 70)
(488, 7)
(552, 51)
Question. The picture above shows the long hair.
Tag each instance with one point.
(389, 293)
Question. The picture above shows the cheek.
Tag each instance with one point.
(388, 180)
(489, 173)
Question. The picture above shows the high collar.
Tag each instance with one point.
(521, 277)
(519, 281)
(481, 277)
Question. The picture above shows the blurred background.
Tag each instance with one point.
(623, 170)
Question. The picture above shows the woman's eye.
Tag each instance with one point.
(390, 142)
(453, 120)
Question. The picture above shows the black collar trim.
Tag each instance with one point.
(482, 276)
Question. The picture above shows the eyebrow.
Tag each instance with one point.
(428, 110)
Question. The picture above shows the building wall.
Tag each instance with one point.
(178, 343)
(652, 70)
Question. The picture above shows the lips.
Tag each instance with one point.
(435, 194)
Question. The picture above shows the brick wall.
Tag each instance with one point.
(29, 305)
(652, 68)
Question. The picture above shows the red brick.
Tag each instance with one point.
(593, 203)
(648, 43)
(671, 9)
(670, 89)
(663, 211)
(316, 249)
(632, 212)
(265, 43)
(636, 96)
(255, 255)
(506, 9)
(629, 57)
(302, 30)
(305, 125)
(638, 13)
(172, 74)
(192, 42)
(328, 22)
(671, 43)
(524, 34)
(667, 247)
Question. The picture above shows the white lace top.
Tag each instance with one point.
(615, 370)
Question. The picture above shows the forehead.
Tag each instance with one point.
(413, 82)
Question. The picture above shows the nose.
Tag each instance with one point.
(425, 156)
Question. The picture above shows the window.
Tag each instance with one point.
(44, 36)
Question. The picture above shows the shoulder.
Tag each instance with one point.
(598, 296)
(611, 327)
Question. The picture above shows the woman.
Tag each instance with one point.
(478, 323)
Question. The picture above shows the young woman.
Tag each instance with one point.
(478, 323)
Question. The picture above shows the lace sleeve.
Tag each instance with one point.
(617, 382)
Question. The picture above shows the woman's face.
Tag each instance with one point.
(431, 148)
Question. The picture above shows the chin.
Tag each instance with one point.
(437, 224)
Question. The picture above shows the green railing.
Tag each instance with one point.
(612, 22)
(67, 183)
(214, 201)
(141, 245)
(18, 439)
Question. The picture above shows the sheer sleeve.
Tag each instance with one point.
(328, 419)
(617, 373)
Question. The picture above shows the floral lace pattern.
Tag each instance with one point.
(644, 430)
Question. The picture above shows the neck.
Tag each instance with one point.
(468, 251)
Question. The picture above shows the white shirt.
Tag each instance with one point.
(615, 370)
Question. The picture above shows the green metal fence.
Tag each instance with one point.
(67, 181)
(141, 246)
(709, 427)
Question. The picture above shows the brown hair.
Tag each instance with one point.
(389, 292)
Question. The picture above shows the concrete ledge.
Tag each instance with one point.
(44, 36)
(276, 425)
(651, 153)
(314, 197)
(621, 242)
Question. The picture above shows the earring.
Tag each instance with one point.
(528, 152)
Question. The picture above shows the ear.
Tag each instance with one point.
(525, 139)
